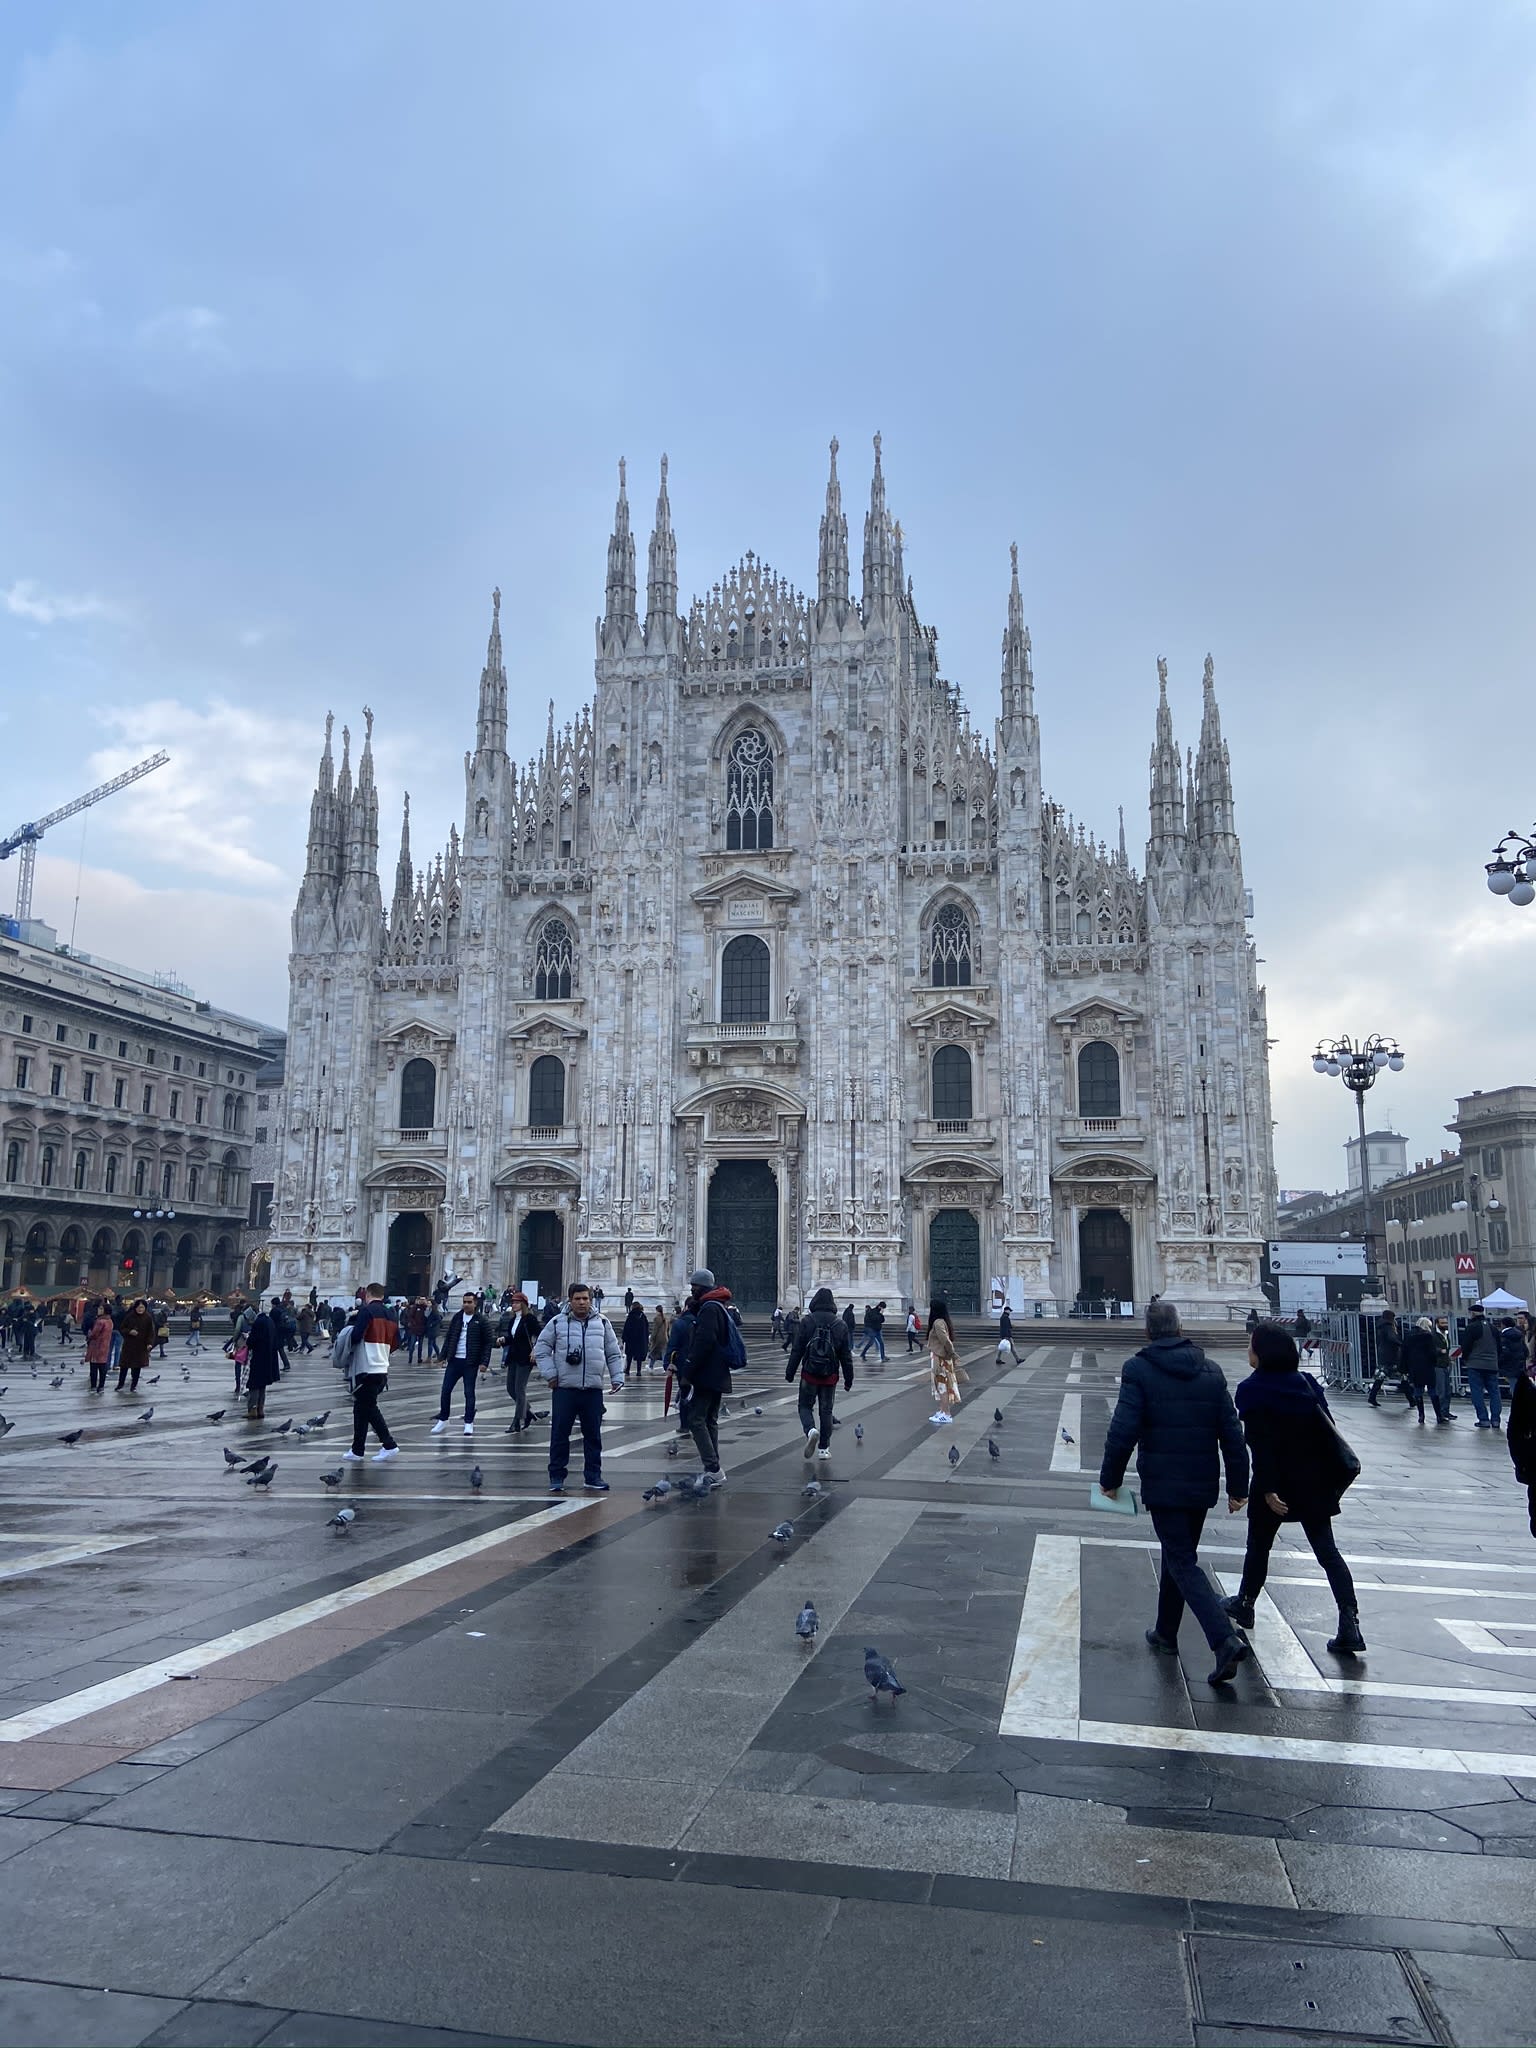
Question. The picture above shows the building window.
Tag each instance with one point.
(110, 1182)
(176, 1063)
(546, 1092)
(263, 1102)
(26, 1025)
(149, 1099)
(949, 948)
(744, 982)
(23, 1070)
(168, 1180)
(90, 1041)
(198, 1107)
(82, 1167)
(175, 1104)
(1498, 1235)
(1098, 1080)
(192, 1179)
(418, 1095)
(61, 1034)
(140, 1175)
(234, 1112)
(45, 1167)
(749, 793)
(261, 1134)
(229, 1179)
(118, 1088)
(55, 1079)
(88, 1088)
(952, 1084)
(122, 1048)
(149, 1055)
(258, 1215)
(554, 959)
(202, 1070)
(1493, 1162)
(13, 1160)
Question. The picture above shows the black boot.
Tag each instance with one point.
(1348, 1642)
(1241, 1610)
(1234, 1651)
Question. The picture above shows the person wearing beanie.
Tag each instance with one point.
(714, 1347)
(822, 1349)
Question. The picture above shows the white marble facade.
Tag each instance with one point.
(772, 961)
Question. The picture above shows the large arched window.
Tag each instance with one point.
(744, 982)
(13, 1160)
(193, 1176)
(82, 1168)
(546, 1092)
(46, 1162)
(140, 1175)
(554, 957)
(749, 792)
(1098, 1080)
(949, 948)
(952, 1085)
(418, 1095)
(110, 1182)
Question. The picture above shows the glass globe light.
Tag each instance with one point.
(1523, 892)
(1319, 1065)
(1332, 1067)
(1395, 1062)
(1380, 1057)
(1501, 879)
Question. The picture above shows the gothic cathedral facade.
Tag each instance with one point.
(772, 962)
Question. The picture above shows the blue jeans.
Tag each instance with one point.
(873, 1337)
(568, 1406)
(458, 1369)
(1483, 1386)
(1178, 1531)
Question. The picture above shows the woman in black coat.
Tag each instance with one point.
(263, 1365)
(636, 1338)
(1297, 1476)
(518, 1333)
(1420, 1356)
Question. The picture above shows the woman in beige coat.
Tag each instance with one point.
(944, 1362)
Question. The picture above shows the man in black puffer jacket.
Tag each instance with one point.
(1175, 1412)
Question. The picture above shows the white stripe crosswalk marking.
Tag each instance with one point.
(1067, 1457)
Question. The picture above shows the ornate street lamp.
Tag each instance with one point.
(1357, 1062)
(1512, 871)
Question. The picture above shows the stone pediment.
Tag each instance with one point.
(542, 1027)
(538, 1173)
(1095, 1017)
(412, 1038)
(937, 1172)
(1079, 1170)
(955, 1015)
(744, 884)
(423, 1176)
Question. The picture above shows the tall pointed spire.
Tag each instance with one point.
(405, 874)
(1018, 676)
(661, 620)
(879, 544)
(619, 607)
(1213, 769)
(1167, 821)
(832, 555)
(322, 852)
(491, 718)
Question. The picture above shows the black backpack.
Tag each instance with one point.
(819, 1360)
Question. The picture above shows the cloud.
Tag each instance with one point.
(185, 330)
(27, 599)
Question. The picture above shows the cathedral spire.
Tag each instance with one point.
(1213, 771)
(1018, 676)
(619, 608)
(661, 620)
(832, 556)
(879, 545)
(405, 873)
(320, 853)
(1167, 790)
(491, 718)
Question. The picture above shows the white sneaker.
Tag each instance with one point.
(383, 1457)
(715, 1478)
(812, 1439)
(469, 1429)
(824, 1454)
(352, 1457)
(438, 1428)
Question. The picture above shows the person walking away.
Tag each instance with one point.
(943, 1362)
(1514, 1356)
(1303, 1329)
(306, 1320)
(263, 1361)
(1443, 1410)
(658, 1338)
(1005, 1337)
(778, 1325)
(517, 1357)
(636, 1338)
(577, 1353)
(1420, 1358)
(821, 1351)
(375, 1334)
(874, 1330)
(914, 1330)
(1479, 1356)
(98, 1350)
(1389, 1350)
(679, 1337)
(1521, 1436)
(791, 1326)
(138, 1333)
(714, 1348)
(195, 1329)
(415, 1331)
(162, 1315)
(850, 1321)
(1175, 1413)
(467, 1349)
(1299, 1475)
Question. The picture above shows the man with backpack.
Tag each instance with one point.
(822, 1350)
(715, 1348)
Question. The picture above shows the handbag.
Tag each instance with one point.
(1341, 1467)
(242, 1354)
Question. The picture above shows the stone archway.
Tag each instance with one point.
(409, 1267)
(741, 1232)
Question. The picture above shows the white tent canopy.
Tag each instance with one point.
(1501, 1298)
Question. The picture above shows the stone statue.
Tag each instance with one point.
(290, 1189)
(695, 1004)
(791, 1001)
(647, 1183)
(1229, 1091)
(1232, 1174)
(332, 1184)
(877, 1188)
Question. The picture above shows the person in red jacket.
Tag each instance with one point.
(375, 1334)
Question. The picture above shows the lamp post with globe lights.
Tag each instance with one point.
(1357, 1062)
(1512, 871)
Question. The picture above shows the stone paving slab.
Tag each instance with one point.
(37, 2015)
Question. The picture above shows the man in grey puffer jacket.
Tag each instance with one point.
(576, 1352)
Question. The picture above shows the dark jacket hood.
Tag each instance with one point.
(1279, 1393)
(824, 1301)
(1176, 1355)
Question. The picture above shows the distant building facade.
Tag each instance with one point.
(771, 961)
(1496, 1170)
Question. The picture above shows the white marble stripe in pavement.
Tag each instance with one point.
(647, 1771)
(1478, 1636)
(1440, 1592)
(63, 1553)
(970, 1424)
(1067, 1457)
(1043, 1685)
(1305, 1749)
(197, 1656)
(1400, 1563)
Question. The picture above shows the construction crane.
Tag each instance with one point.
(24, 839)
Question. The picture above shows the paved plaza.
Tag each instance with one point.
(500, 1768)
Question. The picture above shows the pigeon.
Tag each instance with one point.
(342, 1520)
(672, 1448)
(784, 1532)
(477, 1479)
(879, 1675)
(992, 1450)
(807, 1621)
(233, 1462)
(954, 1454)
(757, 1411)
(318, 1421)
(1066, 1435)
(331, 1478)
(997, 1418)
(659, 1491)
(282, 1428)
(218, 1415)
(262, 1479)
(153, 1381)
(148, 1415)
(4, 1391)
(858, 1432)
(58, 1382)
(73, 1436)
(258, 1465)
(6, 1427)
(812, 1489)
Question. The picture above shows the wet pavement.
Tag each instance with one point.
(494, 1766)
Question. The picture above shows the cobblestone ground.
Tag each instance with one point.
(491, 1766)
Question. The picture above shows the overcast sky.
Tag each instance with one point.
(318, 320)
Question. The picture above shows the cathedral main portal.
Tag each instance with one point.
(742, 1232)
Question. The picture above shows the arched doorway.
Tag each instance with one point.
(954, 1260)
(103, 1258)
(71, 1247)
(181, 1272)
(219, 1274)
(541, 1254)
(742, 1231)
(34, 1263)
(159, 1260)
(7, 1257)
(1105, 1270)
(409, 1267)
